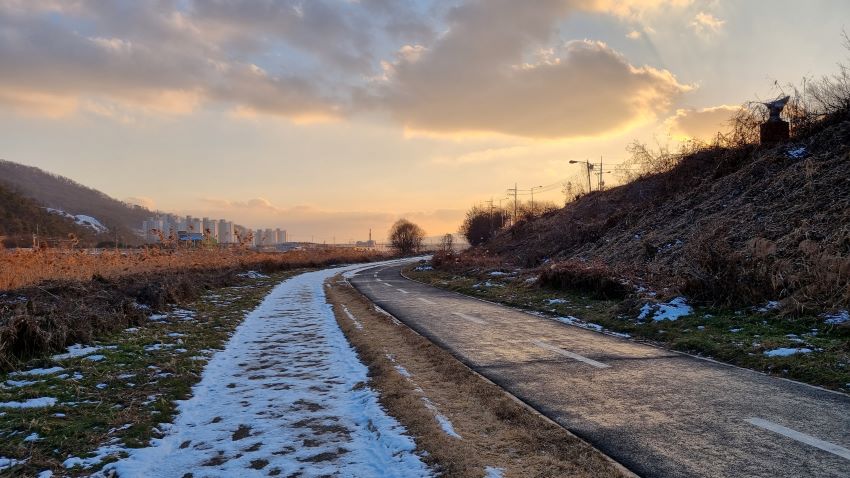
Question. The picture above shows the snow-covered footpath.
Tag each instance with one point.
(284, 397)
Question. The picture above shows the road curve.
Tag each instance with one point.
(659, 413)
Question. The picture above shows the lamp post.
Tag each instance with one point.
(589, 169)
(532, 198)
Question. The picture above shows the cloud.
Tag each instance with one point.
(633, 9)
(707, 24)
(147, 56)
(37, 103)
(584, 88)
(701, 124)
(494, 66)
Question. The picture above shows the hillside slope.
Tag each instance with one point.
(728, 226)
(21, 217)
(71, 197)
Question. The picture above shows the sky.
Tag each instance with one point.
(331, 117)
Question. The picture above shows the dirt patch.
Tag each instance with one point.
(243, 431)
(430, 392)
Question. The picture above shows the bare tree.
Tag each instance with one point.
(572, 190)
(406, 237)
(447, 243)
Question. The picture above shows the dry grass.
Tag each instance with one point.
(497, 431)
(91, 295)
(20, 268)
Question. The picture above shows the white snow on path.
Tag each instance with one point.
(285, 394)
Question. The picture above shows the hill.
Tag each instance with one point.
(21, 217)
(71, 198)
(728, 226)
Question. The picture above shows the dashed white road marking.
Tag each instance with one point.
(567, 353)
(403, 291)
(388, 285)
(430, 302)
(470, 318)
(377, 279)
(801, 437)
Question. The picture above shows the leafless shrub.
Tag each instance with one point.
(481, 224)
(572, 190)
(593, 277)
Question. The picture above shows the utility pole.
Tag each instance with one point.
(491, 213)
(532, 198)
(515, 194)
(600, 172)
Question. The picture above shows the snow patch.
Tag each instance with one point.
(100, 454)
(37, 371)
(19, 383)
(444, 422)
(253, 275)
(797, 153)
(672, 310)
(40, 402)
(79, 350)
(351, 317)
(837, 318)
(786, 352)
(493, 472)
(8, 462)
(770, 305)
(80, 219)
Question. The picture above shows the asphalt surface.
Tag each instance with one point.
(659, 413)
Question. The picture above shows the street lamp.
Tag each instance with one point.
(532, 198)
(589, 169)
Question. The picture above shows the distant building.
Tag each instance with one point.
(225, 232)
(211, 226)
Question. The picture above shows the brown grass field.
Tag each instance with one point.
(53, 298)
(22, 268)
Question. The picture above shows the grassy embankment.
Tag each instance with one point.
(737, 336)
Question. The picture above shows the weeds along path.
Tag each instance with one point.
(285, 397)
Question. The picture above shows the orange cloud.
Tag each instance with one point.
(701, 124)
